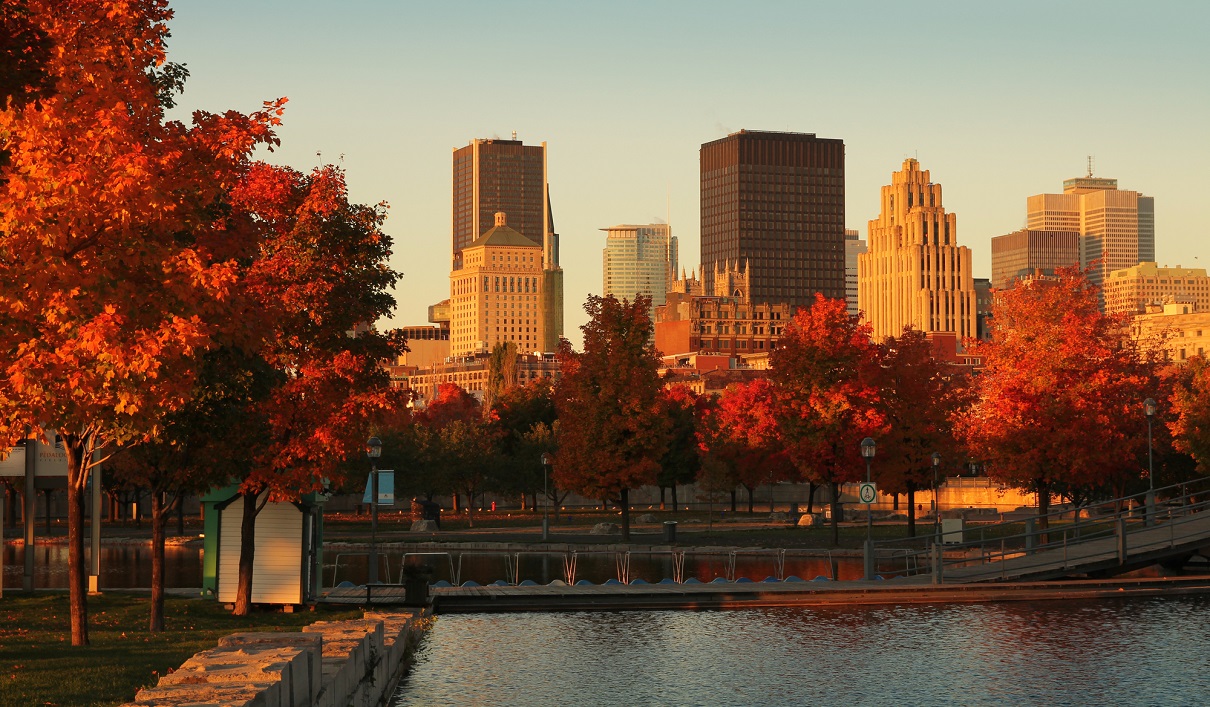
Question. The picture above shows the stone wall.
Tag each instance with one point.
(327, 664)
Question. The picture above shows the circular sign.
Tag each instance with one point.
(868, 492)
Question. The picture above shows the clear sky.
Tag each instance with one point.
(999, 100)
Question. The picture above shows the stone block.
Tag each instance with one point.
(646, 518)
(250, 695)
(283, 668)
(605, 529)
(306, 677)
(424, 526)
(810, 520)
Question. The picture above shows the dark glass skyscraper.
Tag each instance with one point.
(774, 203)
(493, 176)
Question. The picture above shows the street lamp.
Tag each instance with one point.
(867, 451)
(936, 499)
(545, 498)
(373, 451)
(1149, 411)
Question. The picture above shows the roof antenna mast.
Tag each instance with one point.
(1090, 166)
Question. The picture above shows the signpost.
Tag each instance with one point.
(867, 493)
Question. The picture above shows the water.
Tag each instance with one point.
(1137, 652)
(122, 566)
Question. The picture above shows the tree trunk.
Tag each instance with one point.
(662, 498)
(911, 501)
(625, 515)
(674, 501)
(159, 517)
(810, 497)
(835, 514)
(470, 509)
(894, 502)
(247, 554)
(733, 499)
(1043, 509)
(77, 476)
(180, 516)
(454, 497)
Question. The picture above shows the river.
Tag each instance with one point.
(1119, 652)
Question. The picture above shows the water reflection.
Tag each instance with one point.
(122, 566)
(1145, 652)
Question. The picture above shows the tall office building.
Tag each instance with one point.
(1022, 252)
(915, 272)
(1116, 227)
(492, 176)
(639, 260)
(776, 202)
(854, 246)
(1131, 290)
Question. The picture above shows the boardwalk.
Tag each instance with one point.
(1143, 547)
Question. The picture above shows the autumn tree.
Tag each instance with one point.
(612, 434)
(1190, 403)
(681, 461)
(117, 261)
(453, 419)
(1057, 406)
(190, 451)
(826, 369)
(919, 397)
(525, 416)
(741, 431)
(319, 278)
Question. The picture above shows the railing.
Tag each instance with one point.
(1063, 541)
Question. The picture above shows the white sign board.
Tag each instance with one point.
(51, 459)
(867, 493)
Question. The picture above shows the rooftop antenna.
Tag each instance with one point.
(1090, 166)
(514, 136)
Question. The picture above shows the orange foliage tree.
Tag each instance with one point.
(1058, 405)
(826, 368)
(1190, 405)
(318, 278)
(116, 260)
(741, 431)
(919, 397)
(611, 432)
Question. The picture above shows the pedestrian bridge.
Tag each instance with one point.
(1101, 540)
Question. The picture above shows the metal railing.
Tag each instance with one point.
(1016, 547)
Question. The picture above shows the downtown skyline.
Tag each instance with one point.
(999, 103)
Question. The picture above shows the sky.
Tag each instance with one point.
(998, 101)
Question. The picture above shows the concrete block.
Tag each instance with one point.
(251, 695)
(308, 678)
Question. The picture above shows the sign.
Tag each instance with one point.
(386, 488)
(49, 460)
(867, 493)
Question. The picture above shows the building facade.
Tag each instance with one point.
(854, 246)
(501, 294)
(1130, 290)
(776, 201)
(914, 272)
(1116, 227)
(1177, 327)
(471, 374)
(726, 323)
(639, 260)
(1020, 253)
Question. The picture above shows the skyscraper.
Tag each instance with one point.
(915, 272)
(639, 260)
(854, 246)
(493, 176)
(775, 201)
(1116, 227)
(1022, 252)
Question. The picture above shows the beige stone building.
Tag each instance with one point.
(505, 291)
(1130, 290)
(1116, 227)
(914, 271)
(471, 372)
(1177, 326)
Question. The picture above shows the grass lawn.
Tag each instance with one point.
(38, 665)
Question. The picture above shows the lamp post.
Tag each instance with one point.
(373, 451)
(545, 498)
(1149, 411)
(936, 498)
(867, 451)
